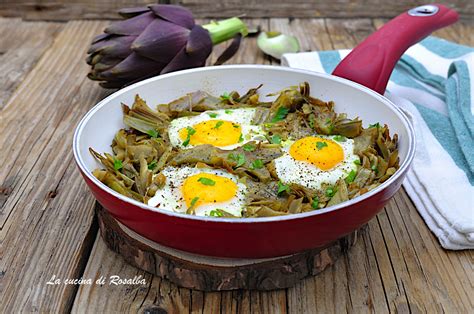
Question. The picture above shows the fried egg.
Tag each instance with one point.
(316, 160)
(205, 190)
(226, 129)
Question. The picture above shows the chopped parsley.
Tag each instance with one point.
(226, 96)
(275, 139)
(152, 133)
(191, 131)
(350, 178)
(215, 213)
(207, 181)
(238, 158)
(340, 138)
(374, 168)
(375, 125)
(257, 164)
(236, 126)
(249, 147)
(212, 114)
(282, 188)
(228, 111)
(218, 124)
(241, 138)
(280, 114)
(194, 201)
(311, 121)
(315, 202)
(330, 192)
(152, 165)
(117, 164)
(321, 145)
(357, 162)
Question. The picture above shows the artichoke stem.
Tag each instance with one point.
(221, 31)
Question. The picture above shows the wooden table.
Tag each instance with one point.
(47, 214)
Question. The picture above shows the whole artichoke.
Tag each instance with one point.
(155, 40)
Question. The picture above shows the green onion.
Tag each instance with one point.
(219, 124)
(194, 200)
(152, 165)
(375, 125)
(315, 202)
(357, 162)
(118, 164)
(257, 164)
(226, 96)
(275, 139)
(340, 138)
(212, 114)
(280, 114)
(207, 181)
(228, 111)
(152, 133)
(191, 131)
(350, 178)
(321, 145)
(330, 192)
(249, 147)
(215, 213)
(241, 138)
(283, 188)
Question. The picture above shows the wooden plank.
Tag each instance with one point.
(21, 46)
(46, 215)
(89, 9)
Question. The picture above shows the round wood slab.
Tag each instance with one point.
(214, 274)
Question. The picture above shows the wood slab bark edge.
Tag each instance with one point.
(218, 274)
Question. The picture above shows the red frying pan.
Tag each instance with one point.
(356, 86)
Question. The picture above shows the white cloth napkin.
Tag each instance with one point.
(434, 84)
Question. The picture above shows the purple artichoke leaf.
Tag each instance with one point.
(230, 51)
(198, 48)
(131, 26)
(106, 64)
(175, 14)
(161, 40)
(133, 67)
(100, 37)
(113, 84)
(117, 46)
(131, 12)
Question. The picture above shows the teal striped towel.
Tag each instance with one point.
(434, 84)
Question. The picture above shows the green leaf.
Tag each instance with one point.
(257, 164)
(207, 181)
(219, 124)
(282, 188)
(118, 164)
(350, 178)
(249, 147)
(212, 114)
(215, 213)
(315, 202)
(330, 192)
(241, 138)
(321, 145)
(152, 133)
(238, 158)
(228, 111)
(280, 114)
(375, 125)
(194, 200)
(152, 165)
(340, 138)
(275, 139)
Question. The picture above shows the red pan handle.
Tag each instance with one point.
(373, 60)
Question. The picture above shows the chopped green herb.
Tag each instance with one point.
(152, 165)
(328, 121)
(315, 202)
(280, 114)
(219, 124)
(321, 145)
(241, 138)
(226, 96)
(212, 114)
(311, 121)
(215, 213)
(191, 131)
(375, 125)
(350, 178)
(282, 188)
(194, 200)
(357, 162)
(275, 139)
(249, 147)
(207, 181)
(330, 192)
(228, 111)
(236, 126)
(374, 168)
(238, 158)
(257, 164)
(118, 164)
(340, 138)
(152, 133)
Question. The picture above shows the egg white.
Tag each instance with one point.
(290, 170)
(242, 116)
(171, 198)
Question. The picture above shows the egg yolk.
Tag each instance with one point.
(321, 152)
(207, 188)
(215, 132)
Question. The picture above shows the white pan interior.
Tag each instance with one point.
(98, 127)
